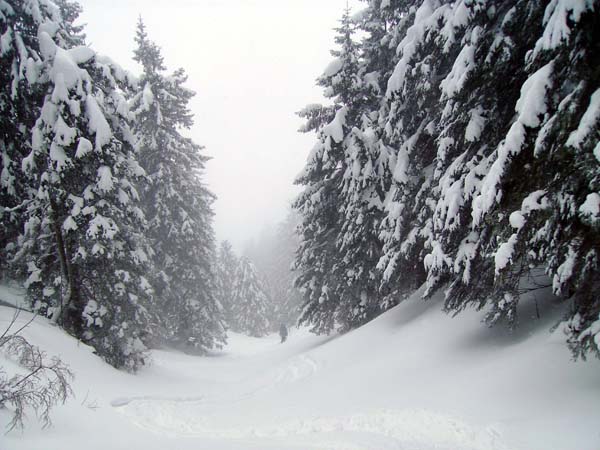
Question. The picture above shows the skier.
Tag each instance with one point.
(283, 332)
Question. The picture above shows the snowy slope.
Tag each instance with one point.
(412, 379)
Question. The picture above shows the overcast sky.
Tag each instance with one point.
(253, 64)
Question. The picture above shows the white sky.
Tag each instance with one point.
(253, 64)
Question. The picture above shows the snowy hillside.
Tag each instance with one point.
(411, 379)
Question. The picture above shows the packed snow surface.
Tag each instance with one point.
(413, 379)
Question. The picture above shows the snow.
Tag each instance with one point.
(475, 125)
(565, 270)
(333, 68)
(412, 379)
(69, 224)
(588, 123)
(437, 259)
(123, 197)
(77, 204)
(64, 134)
(371, 80)
(452, 202)
(105, 179)
(97, 123)
(6, 42)
(116, 70)
(81, 54)
(425, 17)
(65, 67)
(51, 27)
(461, 15)
(465, 254)
(535, 201)
(516, 220)
(591, 207)
(147, 98)
(58, 156)
(335, 129)
(556, 22)
(597, 152)
(464, 63)
(47, 46)
(401, 168)
(11, 295)
(503, 256)
(83, 147)
(530, 107)
(32, 71)
(532, 101)
(60, 91)
(103, 226)
(93, 313)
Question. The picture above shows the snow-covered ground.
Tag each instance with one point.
(414, 379)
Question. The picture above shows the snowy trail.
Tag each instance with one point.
(413, 379)
(207, 416)
(387, 429)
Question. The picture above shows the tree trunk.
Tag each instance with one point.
(69, 312)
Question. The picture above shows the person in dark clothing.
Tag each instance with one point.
(283, 332)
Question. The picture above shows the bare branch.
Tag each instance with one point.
(46, 382)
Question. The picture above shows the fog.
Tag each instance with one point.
(253, 64)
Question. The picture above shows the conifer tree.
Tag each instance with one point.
(321, 270)
(534, 208)
(410, 114)
(177, 203)
(470, 96)
(226, 271)
(475, 125)
(366, 178)
(273, 255)
(490, 193)
(287, 299)
(250, 302)
(82, 246)
(21, 98)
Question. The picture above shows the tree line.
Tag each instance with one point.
(105, 215)
(459, 151)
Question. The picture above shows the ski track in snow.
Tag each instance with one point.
(374, 430)
(298, 368)
(382, 429)
(394, 384)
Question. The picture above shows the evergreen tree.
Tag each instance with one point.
(533, 209)
(287, 299)
(226, 271)
(177, 203)
(470, 96)
(322, 272)
(489, 192)
(410, 113)
(21, 97)
(82, 244)
(366, 180)
(273, 255)
(460, 151)
(250, 302)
